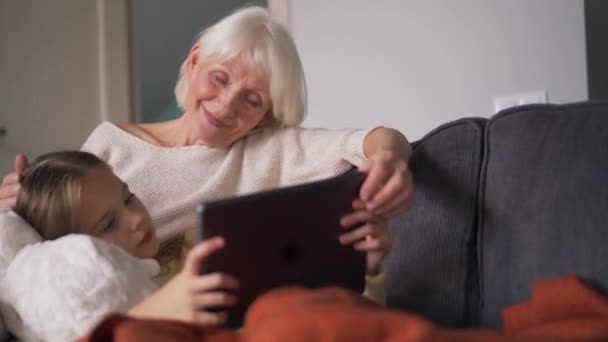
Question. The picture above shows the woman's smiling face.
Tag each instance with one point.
(227, 98)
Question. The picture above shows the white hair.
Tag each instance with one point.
(251, 33)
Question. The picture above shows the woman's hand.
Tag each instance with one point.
(389, 185)
(388, 188)
(188, 297)
(11, 184)
(370, 236)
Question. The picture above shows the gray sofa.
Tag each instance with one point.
(499, 203)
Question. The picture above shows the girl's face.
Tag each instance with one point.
(227, 99)
(109, 211)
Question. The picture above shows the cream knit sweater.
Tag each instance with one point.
(172, 181)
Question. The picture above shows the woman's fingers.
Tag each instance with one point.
(398, 210)
(10, 183)
(10, 190)
(11, 178)
(400, 182)
(8, 203)
(388, 177)
(8, 194)
(377, 174)
(20, 163)
(399, 204)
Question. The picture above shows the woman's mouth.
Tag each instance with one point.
(213, 120)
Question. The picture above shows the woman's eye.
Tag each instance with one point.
(254, 101)
(219, 77)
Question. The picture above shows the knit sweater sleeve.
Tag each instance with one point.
(98, 141)
(298, 155)
(375, 287)
(346, 144)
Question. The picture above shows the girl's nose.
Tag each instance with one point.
(137, 218)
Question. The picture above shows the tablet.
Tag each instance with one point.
(288, 236)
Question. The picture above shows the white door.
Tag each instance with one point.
(63, 70)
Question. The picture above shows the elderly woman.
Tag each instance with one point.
(243, 94)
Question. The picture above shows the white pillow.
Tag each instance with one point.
(15, 234)
(60, 289)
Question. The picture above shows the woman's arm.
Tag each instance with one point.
(388, 188)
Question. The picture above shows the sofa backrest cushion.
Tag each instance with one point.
(545, 201)
(431, 268)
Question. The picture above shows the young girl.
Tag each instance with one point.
(75, 192)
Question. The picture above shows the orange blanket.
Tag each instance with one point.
(561, 309)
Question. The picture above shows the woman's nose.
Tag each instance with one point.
(227, 103)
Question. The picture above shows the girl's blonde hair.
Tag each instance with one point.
(262, 42)
(50, 194)
(50, 191)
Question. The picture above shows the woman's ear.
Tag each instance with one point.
(268, 119)
(193, 60)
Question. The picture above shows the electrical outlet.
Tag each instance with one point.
(508, 101)
(532, 97)
(504, 102)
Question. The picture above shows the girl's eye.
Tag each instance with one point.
(108, 225)
(129, 199)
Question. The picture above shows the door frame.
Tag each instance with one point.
(117, 91)
(281, 10)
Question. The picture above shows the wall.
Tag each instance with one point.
(414, 64)
(163, 34)
(62, 66)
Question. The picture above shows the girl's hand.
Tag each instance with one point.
(189, 296)
(370, 236)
